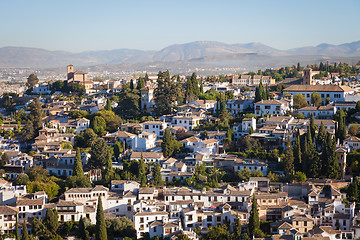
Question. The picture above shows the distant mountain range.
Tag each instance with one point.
(205, 52)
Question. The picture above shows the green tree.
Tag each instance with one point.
(237, 228)
(100, 228)
(32, 80)
(108, 105)
(100, 154)
(4, 160)
(77, 168)
(128, 105)
(169, 145)
(354, 129)
(341, 131)
(217, 232)
(142, 171)
(315, 99)
(99, 125)
(140, 84)
(132, 85)
(120, 227)
(300, 176)
(313, 127)
(28, 133)
(331, 168)
(83, 233)
(254, 220)
(300, 101)
(21, 179)
(51, 220)
(289, 158)
(166, 93)
(297, 152)
(182, 236)
(17, 229)
(260, 93)
(353, 192)
(321, 136)
(118, 149)
(36, 114)
(357, 107)
(25, 234)
(158, 181)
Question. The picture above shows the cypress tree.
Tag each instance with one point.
(28, 133)
(142, 171)
(237, 228)
(353, 192)
(108, 105)
(202, 88)
(118, 148)
(336, 131)
(132, 85)
(36, 114)
(146, 79)
(308, 152)
(262, 91)
(195, 84)
(267, 92)
(342, 127)
(321, 136)
(17, 229)
(315, 166)
(166, 144)
(313, 127)
(83, 233)
(297, 151)
(289, 158)
(51, 220)
(141, 84)
(77, 168)
(25, 234)
(100, 228)
(158, 181)
(254, 220)
(189, 91)
(330, 164)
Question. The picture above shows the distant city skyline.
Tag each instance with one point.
(89, 25)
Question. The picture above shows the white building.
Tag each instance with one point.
(186, 122)
(244, 127)
(7, 219)
(335, 93)
(321, 112)
(272, 107)
(353, 143)
(41, 89)
(142, 221)
(206, 147)
(237, 107)
(157, 127)
(148, 157)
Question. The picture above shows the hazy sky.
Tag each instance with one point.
(81, 25)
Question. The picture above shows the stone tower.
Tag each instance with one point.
(307, 78)
(70, 71)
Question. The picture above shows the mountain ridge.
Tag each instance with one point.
(42, 58)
